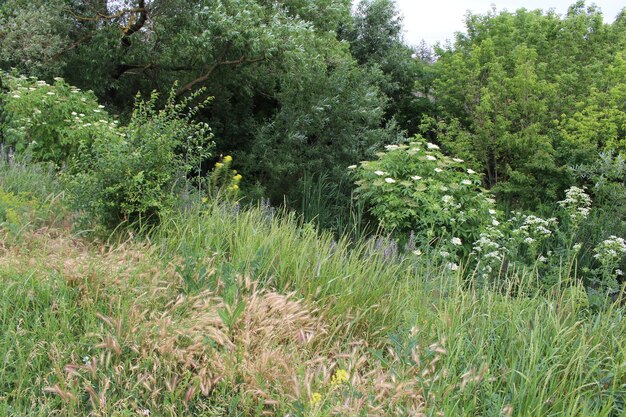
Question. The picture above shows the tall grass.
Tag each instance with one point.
(331, 206)
(228, 311)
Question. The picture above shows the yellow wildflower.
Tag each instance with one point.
(316, 397)
(219, 165)
(228, 158)
(235, 187)
(340, 377)
(237, 177)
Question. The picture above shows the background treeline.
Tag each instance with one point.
(314, 86)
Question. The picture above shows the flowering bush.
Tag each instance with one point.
(610, 253)
(415, 187)
(51, 121)
(577, 203)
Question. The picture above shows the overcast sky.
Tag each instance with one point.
(437, 20)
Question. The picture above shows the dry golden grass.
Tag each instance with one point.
(154, 342)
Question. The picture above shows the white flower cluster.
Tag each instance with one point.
(611, 250)
(577, 202)
(535, 227)
(488, 246)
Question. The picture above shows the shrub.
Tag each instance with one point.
(132, 173)
(416, 188)
(50, 121)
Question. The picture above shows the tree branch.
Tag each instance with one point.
(220, 62)
(137, 25)
(101, 16)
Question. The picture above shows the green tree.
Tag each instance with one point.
(375, 37)
(288, 95)
(506, 88)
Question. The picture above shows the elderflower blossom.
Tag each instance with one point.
(452, 266)
(390, 180)
(466, 182)
(456, 241)
(447, 199)
(470, 171)
(416, 177)
(577, 202)
(431, 146)
(438, 170)
(380, 173)
(611, 249)
(431, 158)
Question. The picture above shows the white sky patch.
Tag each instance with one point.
(437, 21)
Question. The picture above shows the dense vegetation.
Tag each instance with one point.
(280, 208)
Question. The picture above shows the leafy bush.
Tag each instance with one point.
(132, 173)
(51, 121)
(15, 210)
(416, 188)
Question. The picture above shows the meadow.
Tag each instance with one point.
(228, 310)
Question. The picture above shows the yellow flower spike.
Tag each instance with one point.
(237, 177)
(228, 158)
(235, 187)
(219, 165)
(316, 398)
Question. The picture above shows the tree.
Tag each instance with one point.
(288, 95)
(375, 37)
(504, 88)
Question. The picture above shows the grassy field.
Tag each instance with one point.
(223, 311)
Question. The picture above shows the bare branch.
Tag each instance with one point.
(220, 62)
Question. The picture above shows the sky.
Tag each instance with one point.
(437, 20)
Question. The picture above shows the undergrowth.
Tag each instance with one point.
(222, 310)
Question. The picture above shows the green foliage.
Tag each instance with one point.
(599, 121)
(606, 179)
(288, 92)
(50, 122)
(417, 188)
(375, 37)
(15, 210)
(512, 101)
(332, 207)
(33, 35)
(133, 172)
